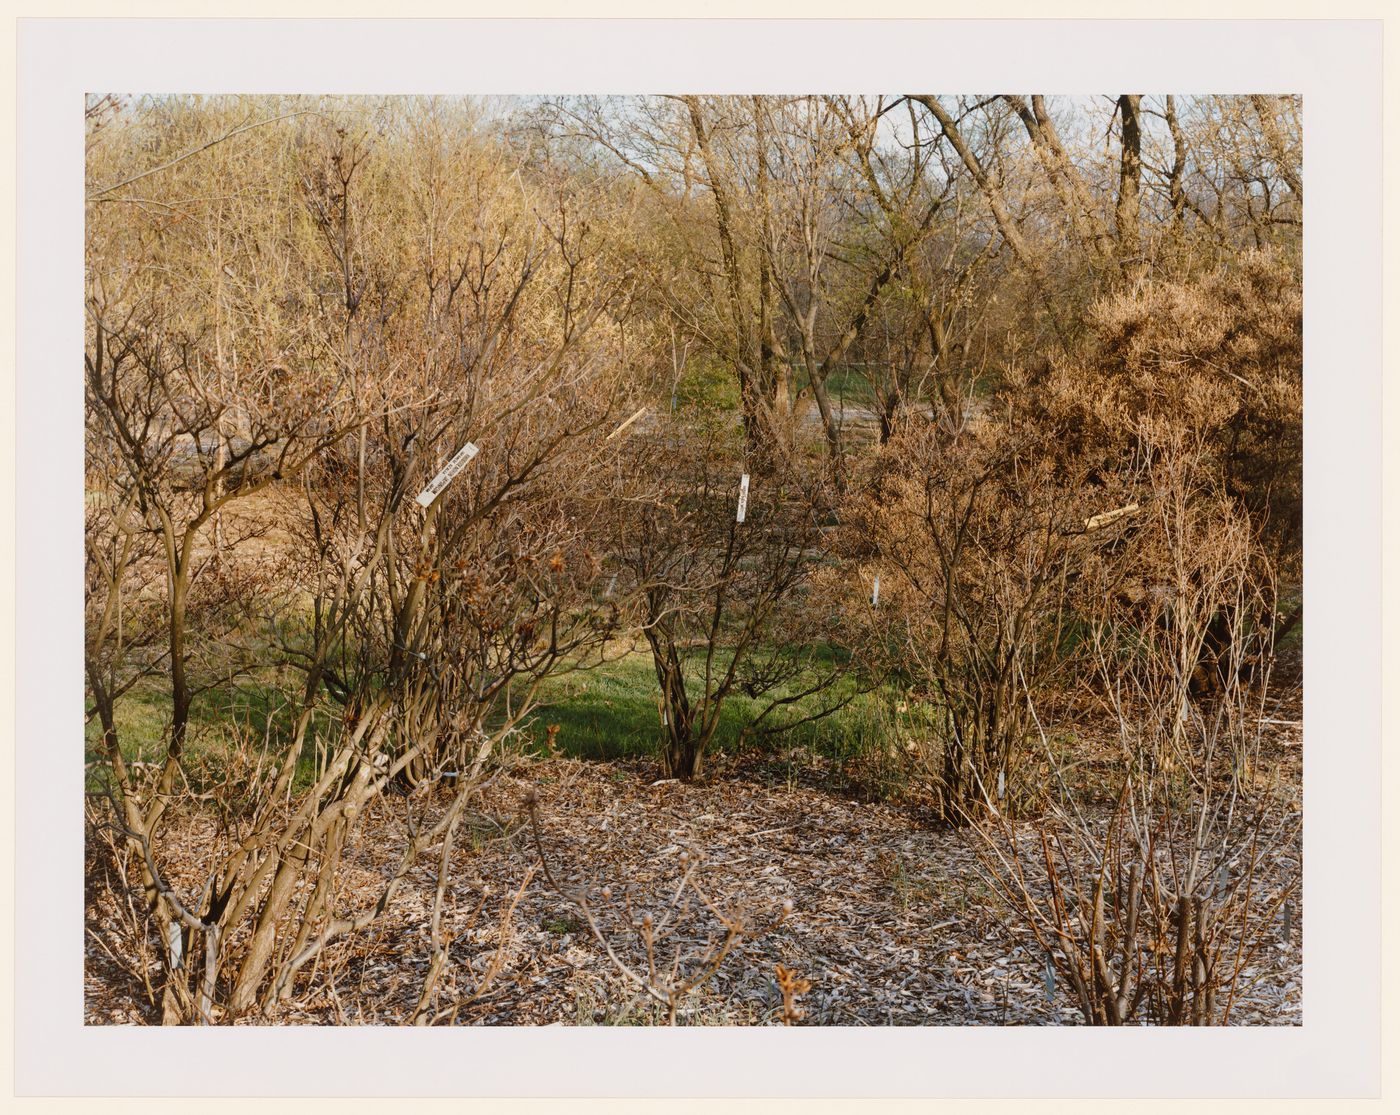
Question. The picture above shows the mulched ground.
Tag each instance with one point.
(893, 921)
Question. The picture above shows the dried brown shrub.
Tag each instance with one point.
(1219, 359)
(971, 534)
(1157, 911)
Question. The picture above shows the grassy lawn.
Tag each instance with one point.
(843, 385)
(612, 713)
(606, 713)
(254, 708)
(848, 385)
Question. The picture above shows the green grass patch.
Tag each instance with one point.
(611, 712)
(848, 385)
(255, 710)
(605, 713)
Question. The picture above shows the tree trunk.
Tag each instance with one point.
(1129, 188)
(1176, 190)
(742, 346)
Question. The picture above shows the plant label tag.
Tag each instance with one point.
(176, 940)
(875, 592)
(612, 585)
(629, 422)
(743, 498)
(448, 473)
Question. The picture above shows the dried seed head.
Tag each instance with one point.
(646, 921)
(607, 894)
(531, 796)
(787, 905)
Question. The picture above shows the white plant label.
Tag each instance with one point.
(448, 473)
(629, 422)
(612, 584)
(743, 497)
(175, 939)
(875, 592)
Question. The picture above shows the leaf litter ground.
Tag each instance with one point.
(893, 921)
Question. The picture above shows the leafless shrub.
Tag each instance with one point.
(970, 535)
(721, 602)
(1157, 911)
(421, 629)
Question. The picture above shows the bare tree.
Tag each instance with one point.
(719, 596)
